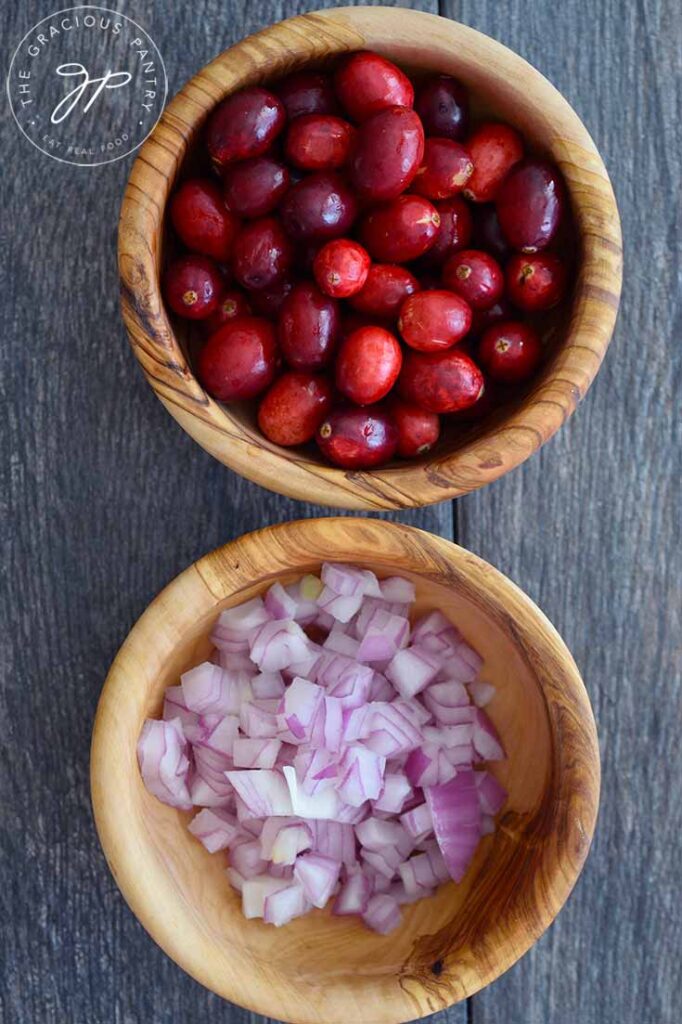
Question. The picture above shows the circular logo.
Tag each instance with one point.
(87, 85)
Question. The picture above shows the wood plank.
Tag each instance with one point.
(591, 528)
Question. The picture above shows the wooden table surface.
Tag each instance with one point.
(104, 499)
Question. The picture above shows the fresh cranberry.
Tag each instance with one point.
(320, 206)
(244, 125)
(485, 318)
(358, 438)
(434, 320)
(400, 231)
(294, 407)
(387, 154)
(490, 399)
(510, 351)
(488, 233)
(443, 105)
(193, 286)
(386, 288)
(367, 83)
(530, 205)
(368, 365)
(352, 321)
(306, 92)
(233, 303)
(440, 381)
(201, 219)
(494, 149)
(238, 361)
(262, 254)
(308, 327)
(341, 267)
(476, 276)
(268, 302)
(454, 232)
(536, 282)
(253, 188)
(318, 142)
(418, 430)
(445, 170)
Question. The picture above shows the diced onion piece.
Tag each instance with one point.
(340, 643)
(174, 707)
(301, 702)
(491, 793)
(267, 686)
(255, 753)
(341, 608)
(486, 741)
(412, 669)
(257, 723)
(279, 604)
(245, 857)
(348, 581)
(318, 875)
(235, 879)
(384, 635)
(256, 890)
(382, 914)
(324, 804)
(481, 693)
(396, 589)
(284, 905)
(354, 894)
(216, 829)
(164, 765)
(278, 644)
(395, 792)
(456, 814)
(361, 775)
(263, 791)
(417, 822)
(235, 625)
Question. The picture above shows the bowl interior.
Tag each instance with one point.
(321, 968)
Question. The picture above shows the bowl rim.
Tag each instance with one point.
(301, 40)
(575, 766)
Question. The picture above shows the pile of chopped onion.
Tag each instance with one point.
(335, 749)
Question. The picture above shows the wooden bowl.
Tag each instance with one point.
(503, 85)
(321, 969)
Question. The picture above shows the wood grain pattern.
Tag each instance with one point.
(503, 83)
(321, 970)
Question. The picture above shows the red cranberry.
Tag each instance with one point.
(510, 351)
(434, 320)
(318, 142)
(488, 233)
(341, 268)
(232, 303)
(294, 408)
(367, 83)
(268, 301)
(384, 291)
(530, 205)
(476, 276)
(358, 438)
(308, 327)
(253, 188)
(351, 321)
(238, 361)
(418, 430)
(388, 152)
(368, 365)
(320, 206)
(440, 381)
(490, 399)
(494, 149)
(400, 231)
(306, 92)
(262, 254)
(193, 286)
(443, 105)
(201, 219)
(453, 234)
(244, 125)
(485, 318)
(445, 171)
(536, 282)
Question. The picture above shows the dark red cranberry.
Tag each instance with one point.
(368, 365)
(445, 170)
(400, 231)
(294, 408)
(341, 267)
(201, 219)
(244, 125)
(268, 302)
(357, 438)
(262, 254)
(238, 361)
(485, 318)
(192, 286)
(388, 152)
(440, 381)
(253, 188)
(418, 430)
(490, 399)
(367, 83)
(233, 303)
(318, 142)
(536, 282)
(434, 320)
(308, 327)
(488, 233)
(306, 92)
(352, 321)
(443, 105)
(530, 205)
(476, 276)
(320, 206)
(386, 288)
(494, 149)
(510, 351)
(454, 232)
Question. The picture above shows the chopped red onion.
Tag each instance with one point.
(256, 722)
(258, 753)
(384, 636)
(491, 794)
(263, 791)
(164, 765)
(245, 858)
(256, 890)
(216, 829)
(412, 669)
(456, 814)
(418, 822)
(284, 905)
(341, 608)
(278, 644)
(486, 741)
(395, 791)
(354, 894)
(347, 581)
(382, 914)
(317, 875)
(397, 590)
(267, 686)
(361, 775)
(481, 693)
(341, 643)
(279, 604)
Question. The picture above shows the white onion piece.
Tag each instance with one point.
(317, 875)
(382, 914)
(164, 765)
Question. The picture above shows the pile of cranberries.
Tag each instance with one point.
(364, 262)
